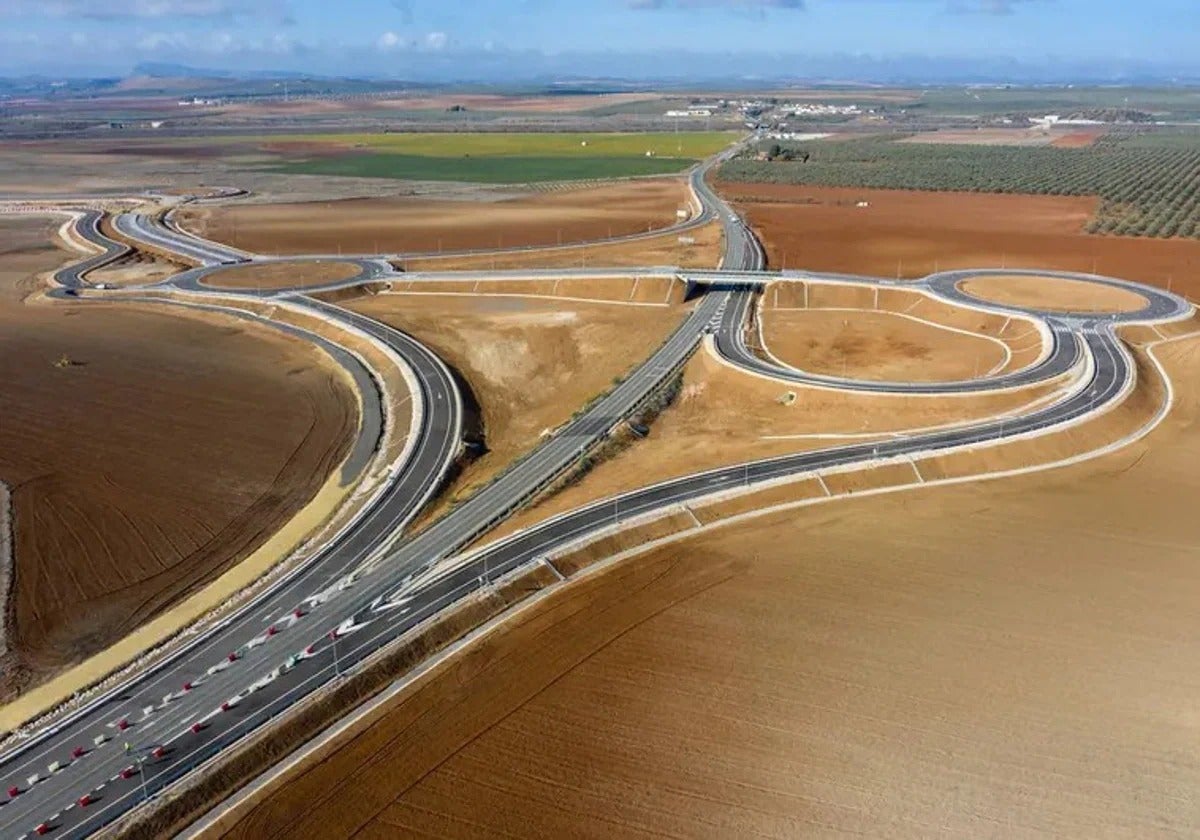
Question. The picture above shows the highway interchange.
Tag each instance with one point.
(373, 582)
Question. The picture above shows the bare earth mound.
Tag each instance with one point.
(876, 346)
(1009, 658)
(530, 363)
(406, 224)
(147, 450)
(281, 275)
(698, 248)
(1053, 293)
(912, 234)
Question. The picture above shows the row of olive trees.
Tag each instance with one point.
(1145, 190)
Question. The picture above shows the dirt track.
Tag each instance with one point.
(114, 420)
(404, 224)
(1008, 658)
(915, 233)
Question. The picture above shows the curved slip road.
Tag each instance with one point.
(1064, 354)
(192, 686)
(438, 439)
(411, 583)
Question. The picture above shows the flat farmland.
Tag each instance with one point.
(1008, 658)
(407, 224)
(493, 158)
(147, 450)
(1147, 183)
(912, 233)
(685, 144)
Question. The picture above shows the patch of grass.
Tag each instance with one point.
(488, 170)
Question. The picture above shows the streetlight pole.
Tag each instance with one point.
(337, 665)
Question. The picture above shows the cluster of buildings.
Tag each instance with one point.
(819, 109)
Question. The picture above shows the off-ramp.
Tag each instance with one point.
(283, 647)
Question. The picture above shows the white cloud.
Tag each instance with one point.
(435, 40)
(123, 9)
(388, 41)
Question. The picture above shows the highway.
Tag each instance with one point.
(373, 587)
(319, 592)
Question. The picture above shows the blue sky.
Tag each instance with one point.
(513, 38)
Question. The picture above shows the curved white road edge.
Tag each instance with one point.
(347, 724)
(368, 485)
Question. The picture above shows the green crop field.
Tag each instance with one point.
(686, 144)
(1168, 103)
(495, 158)
(1149, 186)
(485, 170)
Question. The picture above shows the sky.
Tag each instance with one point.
(435, 40)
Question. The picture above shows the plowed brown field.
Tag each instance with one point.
(915, 233)
(1003, 659)
(405, 224)
(147, 450)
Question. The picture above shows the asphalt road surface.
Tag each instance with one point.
(373, 587)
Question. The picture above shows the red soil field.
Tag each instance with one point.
(914, 233)
(406, 224)
(147, 450)
(1077, 139)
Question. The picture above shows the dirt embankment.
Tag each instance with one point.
(1053, 293)
(657, 291)
(724, 416)
(911, 234)
(413, 224)
(279, 275)
(530, 364)
(1024, 644)
(115, 417)
(697, 248)
(875, 345)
